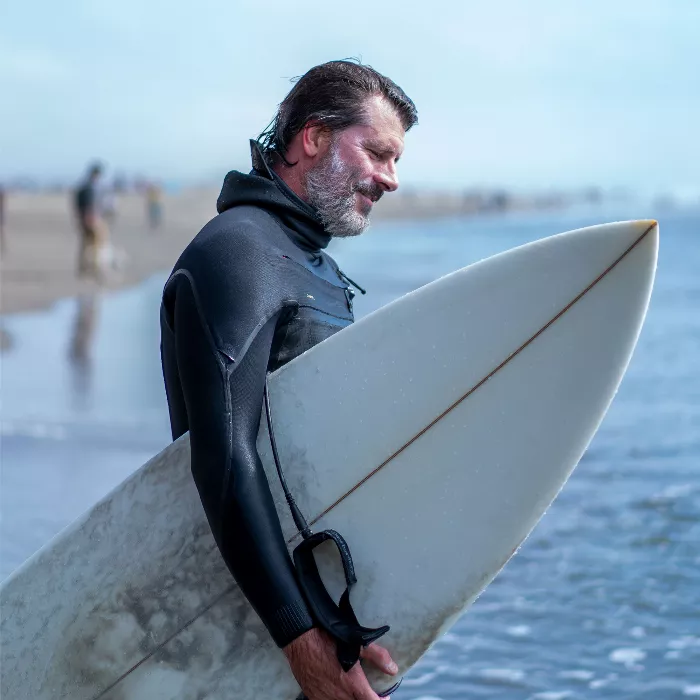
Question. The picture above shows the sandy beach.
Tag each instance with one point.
(39, 259)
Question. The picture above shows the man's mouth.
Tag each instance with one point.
(371, 197)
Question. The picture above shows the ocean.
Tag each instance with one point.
(602, 600)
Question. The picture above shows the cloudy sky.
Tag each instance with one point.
(524, 94)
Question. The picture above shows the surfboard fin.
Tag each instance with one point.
(339, 620)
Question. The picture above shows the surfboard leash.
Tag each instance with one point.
(338, 619)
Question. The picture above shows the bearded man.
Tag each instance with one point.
(252, 291)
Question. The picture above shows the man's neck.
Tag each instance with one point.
(292, 178)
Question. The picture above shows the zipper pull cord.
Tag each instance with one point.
(354, 284)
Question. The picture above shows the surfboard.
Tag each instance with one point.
(433, 434)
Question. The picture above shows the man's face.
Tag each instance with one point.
(357, 169)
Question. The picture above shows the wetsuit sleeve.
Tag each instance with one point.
(223, 401)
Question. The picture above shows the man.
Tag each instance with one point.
(252, 291)
(91, 226)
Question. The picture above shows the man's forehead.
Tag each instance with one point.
(383, 124)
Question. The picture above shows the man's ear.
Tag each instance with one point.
(315, 138)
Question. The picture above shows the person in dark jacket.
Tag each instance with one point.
(255, 289)
(91, 225)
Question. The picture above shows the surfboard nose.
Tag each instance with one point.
(647, 223)
(642, 252)
(634, 228)
(647, 231)
(648, 227)
(643, 237)
(626, 236)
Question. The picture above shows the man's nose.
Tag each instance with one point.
(388, 178)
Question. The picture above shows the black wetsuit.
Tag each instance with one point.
(253, 290)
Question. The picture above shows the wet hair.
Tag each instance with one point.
(333, 94)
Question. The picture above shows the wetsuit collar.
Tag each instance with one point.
(262, 187)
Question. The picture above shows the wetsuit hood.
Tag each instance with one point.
(263, 188)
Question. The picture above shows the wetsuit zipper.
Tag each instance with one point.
(349, 291)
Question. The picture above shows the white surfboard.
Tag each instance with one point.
(432, 434)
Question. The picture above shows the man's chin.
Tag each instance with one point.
(349, 229)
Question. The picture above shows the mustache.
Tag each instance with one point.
(372, 190)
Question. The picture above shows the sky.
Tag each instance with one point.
(529, 95)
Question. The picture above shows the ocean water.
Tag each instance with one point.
(603, 599)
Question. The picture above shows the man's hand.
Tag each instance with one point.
(315, 665)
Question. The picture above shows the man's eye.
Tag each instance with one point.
(374, 154)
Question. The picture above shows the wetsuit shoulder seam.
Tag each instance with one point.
(198, 305)
(214, 345)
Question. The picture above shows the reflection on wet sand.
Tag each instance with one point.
(80, 348)
(6, 340)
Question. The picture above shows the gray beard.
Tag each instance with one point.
(330, 189)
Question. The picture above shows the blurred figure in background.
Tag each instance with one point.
(154, 205)
(92, 228)
(81, 344)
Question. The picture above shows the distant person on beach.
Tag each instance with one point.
(154, 205)
(254, 290)
(92, 227)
